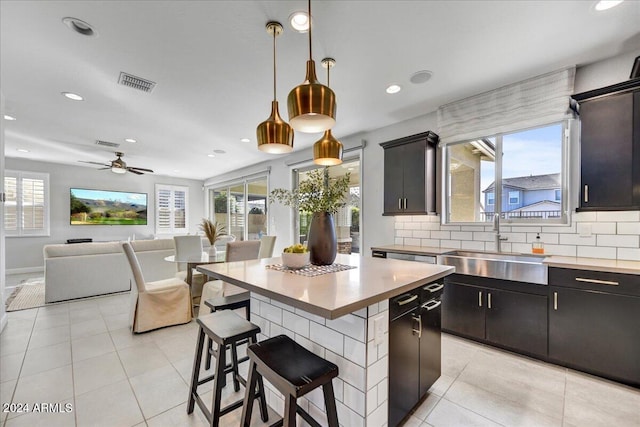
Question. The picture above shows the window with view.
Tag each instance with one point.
(519, 175)
(172, 202)
(26, 209)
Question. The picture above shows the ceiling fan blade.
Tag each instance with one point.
(135, 171)
(102, 169)
(94, 163)
(140, 169)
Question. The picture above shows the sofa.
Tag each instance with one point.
(90, 269)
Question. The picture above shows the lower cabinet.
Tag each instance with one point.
(592, 327)
(507, 318)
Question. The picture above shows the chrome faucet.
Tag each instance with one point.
(496, 228)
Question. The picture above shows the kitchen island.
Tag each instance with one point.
(343, 317)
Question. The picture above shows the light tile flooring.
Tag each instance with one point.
(83, 354)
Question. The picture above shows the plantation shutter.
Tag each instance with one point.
(171, 209)
(27, 205)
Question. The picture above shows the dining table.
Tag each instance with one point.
(193, 261)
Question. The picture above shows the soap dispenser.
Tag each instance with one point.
(538, 246)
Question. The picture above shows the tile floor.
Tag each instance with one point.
(82, 354)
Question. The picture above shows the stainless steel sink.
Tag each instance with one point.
(507, 266)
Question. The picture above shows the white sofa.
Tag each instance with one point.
(89, 269)
(84, 269)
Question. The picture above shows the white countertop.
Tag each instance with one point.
(408, 249)
(594, 264)
(330, 295)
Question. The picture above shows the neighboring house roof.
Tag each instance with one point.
(546, 205)
(531, 182)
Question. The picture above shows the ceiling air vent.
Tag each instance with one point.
(136, 82)
(108, 144)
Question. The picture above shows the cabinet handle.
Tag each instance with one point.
(408, 300)
(599, 282)
(586, 193)
(400, 203)
(419, 330)
(430, 305)
(434, 287)
(489, 300)
(479, 298)
(404, 203)
(555, 300)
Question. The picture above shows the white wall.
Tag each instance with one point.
(3, 314)
(25, 253)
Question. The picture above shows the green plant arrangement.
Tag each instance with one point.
(213, 230)
(317, 193)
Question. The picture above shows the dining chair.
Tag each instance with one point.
(156, 304)
(190, 246)
(267, 244)
(236, 251)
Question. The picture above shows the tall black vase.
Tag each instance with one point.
(323, 243)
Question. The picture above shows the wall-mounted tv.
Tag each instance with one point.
(101, 207)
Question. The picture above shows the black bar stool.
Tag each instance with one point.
(231, 302)
(226, 328)
(294, 371)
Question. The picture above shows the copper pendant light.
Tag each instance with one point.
(311, 105)
(274, 134)
(327, 151)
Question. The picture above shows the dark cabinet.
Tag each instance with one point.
(409, 175)
(594, 323)
(610, 147)
(486, 310)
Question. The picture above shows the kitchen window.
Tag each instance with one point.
(482, 174)
(172, 204)
(26, 209)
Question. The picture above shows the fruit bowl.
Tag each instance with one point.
(295, 260)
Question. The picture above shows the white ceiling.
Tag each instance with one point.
(212, 64)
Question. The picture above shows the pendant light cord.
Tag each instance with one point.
(274, 64)
(310, 56)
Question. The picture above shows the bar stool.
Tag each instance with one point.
(231, 302)
(227, 329)
(294, 371)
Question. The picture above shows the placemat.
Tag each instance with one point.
(312, 270)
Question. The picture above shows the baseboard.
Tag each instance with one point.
(24, 270)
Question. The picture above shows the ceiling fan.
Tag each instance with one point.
(119, 166)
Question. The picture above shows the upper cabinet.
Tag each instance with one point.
(410, 175)
(610, 147)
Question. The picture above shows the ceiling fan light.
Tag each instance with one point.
(274, 135)
(118, 170)
(311, 105)
(327, 151)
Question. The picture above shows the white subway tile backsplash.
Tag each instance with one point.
(328, 338)
(355, 351)
(629, 228)
(282, 305)
(412, 226)
(440, 234)
(398, 225)
(309, 345)
(619, 216)
(523, 248)
(564, 250)
(354, 399)
(629, 254)
(314, 317)
(350, 372)
(411, 241)
(603, 228)
(585, 217)
(271, 313)
(398, 241)
(575, 239)
(383, 391)
(347, 417)
(262, 323)
(377, 372)
(379, 417)
(430, 226)
(421, 234)
(296, 323)
(450, 227)
(461, 235)
(558, 228)
(597, 252)
(486, 236)
(349, 325)
(430, 243)
(619, 241)
(404, 233)
(276, 329)
(453, 244)
(372, 400)
(472, 245)
(515, 237)
(471, 228)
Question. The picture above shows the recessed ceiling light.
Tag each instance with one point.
(219, 151)
(130, 140)
(245, 140)
(79, 26)
(211, 155)
(23, 150)
(299, 21)
(73, 96)
(420, 76)
(10, 118)
(607, 4)
(394, 88)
